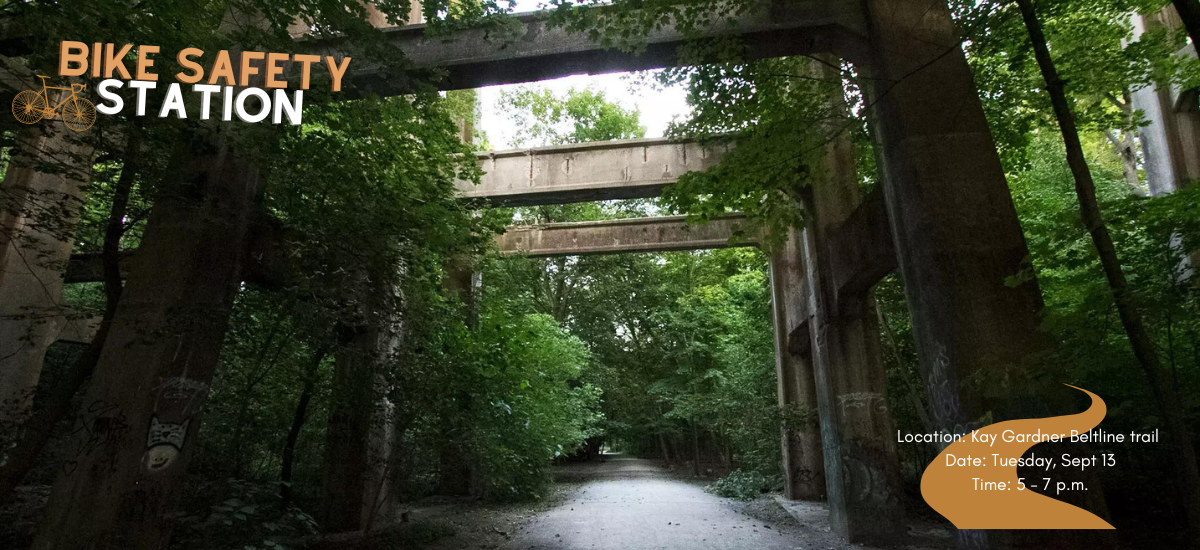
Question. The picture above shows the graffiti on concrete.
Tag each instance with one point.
(164, 442)
(101, 427)
(181, 392)
(863, 400)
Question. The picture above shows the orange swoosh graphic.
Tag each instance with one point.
(951, 490)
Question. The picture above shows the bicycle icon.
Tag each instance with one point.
(77, 113)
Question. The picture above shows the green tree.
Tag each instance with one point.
(579, 116)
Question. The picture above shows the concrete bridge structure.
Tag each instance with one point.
(859, 256)
(944, 220)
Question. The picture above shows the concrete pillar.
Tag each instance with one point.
(378, 19)
(38, 212)
(861, 463)
(1171, 139)
(862, 468)
(803, 463)
(359, 442)
(457, 474)
(145, 400)
(973, 298)
(381, 444)
(958, 241)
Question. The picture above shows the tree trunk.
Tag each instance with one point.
(695, 450)
(1126, 149)
(454, 468)
(289, 448)
(726, 454)
(1189, 12)
(37, 432)
(666, 454)
(1131, 320)
(135, 434)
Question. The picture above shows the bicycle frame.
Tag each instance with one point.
(50, 111)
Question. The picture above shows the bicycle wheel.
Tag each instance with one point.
(79, 114)
(28, 106)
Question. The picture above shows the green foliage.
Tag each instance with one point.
(1152, 235)
(1094, 52)
(742, 485)
(653, 353)
(719, 349)
(238, 514)
(543, 118)
(527, 407)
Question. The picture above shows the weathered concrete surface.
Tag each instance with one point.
(861, 251)
(1171, 139)
(357, 480)
(862, 473)
(803, 462)
(38, 211)
(663, 234)
(627, 169)
(533, 50)
(956, 231)
(972, 296)
(153, 375)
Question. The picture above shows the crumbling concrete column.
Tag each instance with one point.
(803, 463)
(862, 468)
(961, 253)
(40, 201)
(971, 293)
(135, 435)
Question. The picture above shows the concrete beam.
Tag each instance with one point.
(628, 169)
(665, 234)
(267, 263)
(533, 50)
(861, 251)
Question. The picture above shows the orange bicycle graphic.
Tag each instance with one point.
(78, 113)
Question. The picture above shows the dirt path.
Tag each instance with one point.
(629, 504)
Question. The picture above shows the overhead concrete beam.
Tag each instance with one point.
(608, 170)
(533, 50)
(267, 263)
(664, 234)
